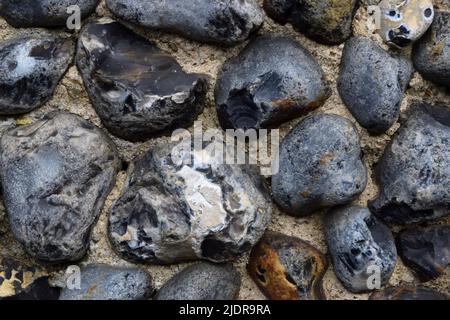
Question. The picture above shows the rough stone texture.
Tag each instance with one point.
(414, 172)
(56, 175)
(403, 22)
(184, 210)
(42, 13)
(223, 22)
(137, 90)
(320, 166)
(358, 242)
(273, 80)
(102, 282)
(372, 83)
(431, 54)
(408, 292)
(18, 282)
(326, 21)
(426, 250)
(287, 268)
(30, 69)
(202, 281)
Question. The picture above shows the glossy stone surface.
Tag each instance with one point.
(405, 21)
(425, 250)
(30, 69)
(223, 22)
(136, 89)
(56, 174)
(372, 83)
(431, 54)
(19, 282)
(202, 281)
(43, 13)
(186, 210)
(320, 166)
(360, 245)
(273, 80)
(325, 21)
(414, 172)
(287, 268)
(408, 292)
(103, 282)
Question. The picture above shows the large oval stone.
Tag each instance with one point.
(56, 174)
(320, 166)
(43, 13)
(201, 209)
(30, 69)
(273, 80)
(223, 22)
(137, 90)
(409, 292)
(414, 172)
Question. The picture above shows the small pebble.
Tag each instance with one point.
(43, 13)
(361, 247)
(56, 174)
(320, 166)
(30, 69)
(203, 281)
(414, 172)
(102, 282)
(223, 22)
(273, 80)
(137, 90)
(426, 250)
(408, 292)
(325, 21)
(287, 268)
(431, 54)
(372, 83)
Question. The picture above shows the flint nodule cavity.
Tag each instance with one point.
(224, 150)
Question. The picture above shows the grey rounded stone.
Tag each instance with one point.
(186, 210)
(202, 281)
(361, 246)
(320, 166)
(431, 54)
(43, 13)
(273, 80)
(223, 22)
(56, 174)
(103, 282)
(414, 172)
(325, 21)
(372, 83)
(30, 69)
(137, 90)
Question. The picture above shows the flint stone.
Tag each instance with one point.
(172, 211)
(223, 22)
(408, 292)
(56, 174)
(203, 281)
(137, 90)
(426, 250)
(325, 21)
(320, 166)
(30, 69)
(43, 13)
(414, 172)
(102, 282)
(273, 80)
(359, 245)
(431, 54)
(287, 268)
(372, 83)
